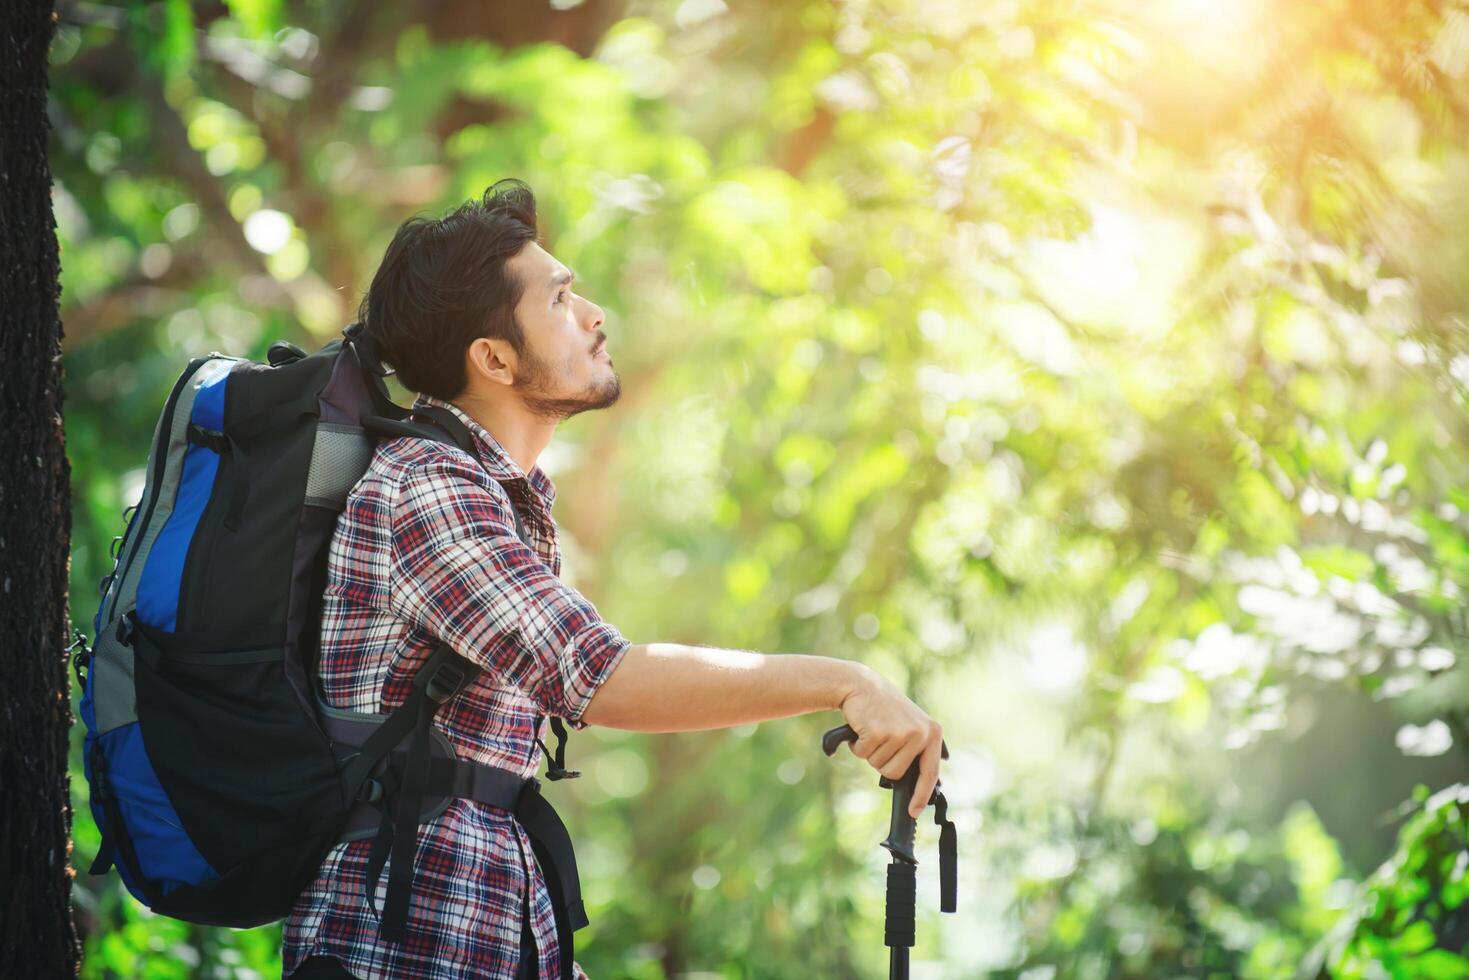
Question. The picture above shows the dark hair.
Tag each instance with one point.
(443, 283)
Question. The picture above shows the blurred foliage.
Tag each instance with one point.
(1094, 370)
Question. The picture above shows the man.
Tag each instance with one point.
(476, 317)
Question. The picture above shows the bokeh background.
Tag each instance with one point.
(1094, 369)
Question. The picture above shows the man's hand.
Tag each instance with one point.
(892, 731)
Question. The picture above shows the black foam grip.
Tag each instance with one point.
(902, 899)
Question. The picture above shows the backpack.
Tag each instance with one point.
(219, 777)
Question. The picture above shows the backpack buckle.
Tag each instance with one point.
(126, 629)
(81, 659)
(531, 787)
(444, 682)
(444, 674)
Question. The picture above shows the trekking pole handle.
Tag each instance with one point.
(833, 740)
(902, 828)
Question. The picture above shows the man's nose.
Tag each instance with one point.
(594, 317)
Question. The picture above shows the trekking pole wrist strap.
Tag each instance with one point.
(948, 855)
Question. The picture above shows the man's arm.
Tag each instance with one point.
(668, 687)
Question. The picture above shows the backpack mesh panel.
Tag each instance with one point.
(338, 459)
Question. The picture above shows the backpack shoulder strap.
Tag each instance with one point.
(437, 680)
(442, 424)
(451, 424)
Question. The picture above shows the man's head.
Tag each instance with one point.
(470, 306)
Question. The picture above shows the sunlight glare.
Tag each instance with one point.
(1214, 31)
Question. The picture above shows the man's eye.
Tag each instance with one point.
(560, 296)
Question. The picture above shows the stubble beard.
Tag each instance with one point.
(537, 379)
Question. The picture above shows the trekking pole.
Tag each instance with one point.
(898, 925)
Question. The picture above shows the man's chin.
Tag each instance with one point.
(605, 396)
(598, 395)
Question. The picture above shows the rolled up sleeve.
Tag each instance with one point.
(459, 571)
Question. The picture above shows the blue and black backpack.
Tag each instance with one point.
(219, 777)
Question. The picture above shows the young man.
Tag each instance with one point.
(477, 318)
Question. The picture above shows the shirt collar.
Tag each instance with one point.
(492, 455)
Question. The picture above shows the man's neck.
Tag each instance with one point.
(520, 434)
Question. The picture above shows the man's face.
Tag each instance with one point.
(558, 374)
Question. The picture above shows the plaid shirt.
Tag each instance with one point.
(427, 549)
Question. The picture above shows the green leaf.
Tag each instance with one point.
(167, 44)
(1439, 964)
(258, 18)
(1416, 938)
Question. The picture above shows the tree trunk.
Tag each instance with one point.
(37, 937)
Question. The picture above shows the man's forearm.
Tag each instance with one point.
(668, 687)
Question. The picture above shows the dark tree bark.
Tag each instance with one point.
(37, 936)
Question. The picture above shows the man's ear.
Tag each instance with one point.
(489, 360)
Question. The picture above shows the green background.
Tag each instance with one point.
(1094, 370)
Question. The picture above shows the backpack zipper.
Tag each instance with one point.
(155, 479)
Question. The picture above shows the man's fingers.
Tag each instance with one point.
(928, 778)
(865, 746)
(900, 762)
(883, 756)
(891, 757)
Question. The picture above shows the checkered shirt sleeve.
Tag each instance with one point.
(458, 570)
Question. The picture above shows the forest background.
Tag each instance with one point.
(1094, 369)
